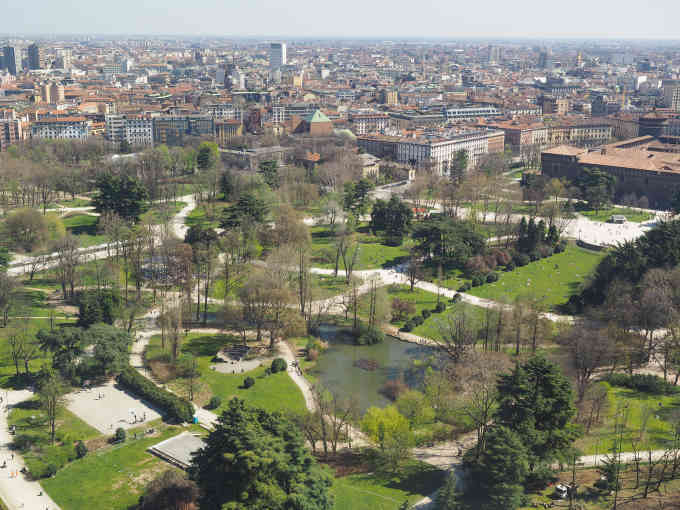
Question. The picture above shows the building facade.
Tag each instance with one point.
(68, 128)
(277, 56)
(365, 123)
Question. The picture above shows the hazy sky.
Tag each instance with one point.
(348, 18)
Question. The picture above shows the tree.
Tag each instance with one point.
(51, 390)
(208, 156)
(458, 334)
(171, 491)
(66, 346)
(458, 166)
(675, 200)
(68, 259)
(392, 217)
(390, 431)
(7, 286)
(501, 470)
(28, 230)
(596, 186)
(122, 194)
(356, 197)
(256, 459)
(111, 347)
(270, 173)
(247, 210)
(589, 350)
(535, 401)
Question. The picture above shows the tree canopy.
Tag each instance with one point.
(255, 459)
(122, 194)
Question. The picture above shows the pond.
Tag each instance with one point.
(360, 371)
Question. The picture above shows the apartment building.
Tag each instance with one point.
(438, 151)
(70, 128)
(365, 123)
(137, 130)
(10, 133)
(671, 94)
(172, 130)
(227, 130)
(223, 111)
(467, 112)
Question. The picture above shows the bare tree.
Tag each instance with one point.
(458, 334)
(68, 259)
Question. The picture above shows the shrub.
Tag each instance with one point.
(492, 277)
(465, 287)
(402, 308)
(408, 327)
(120, 435)
(476, 264)
(393, 388)
(559, 248)
(176, 408)
(457, 298)
(370, 336)
(248, 382)
(491, 262)
(645, 383)
(441, 306)
(215, 402)
(502, 257)
(510, 266)
(425, 313)
(534, 256)
(477, 281)
(22, 442)
(522, 259)
(539, 478)
(279, 365)
(81, 450)
(545, 251)
(417, 320)
(51, 470)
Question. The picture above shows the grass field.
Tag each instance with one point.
(373, 491)
(664, 409)
(630, 214)
(276, 392)
(208, 218)
(84, 227)
(112, 478)
(372, 253)
(554, 279)
(162, 212)
(31, 422)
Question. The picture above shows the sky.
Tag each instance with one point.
(394, 19)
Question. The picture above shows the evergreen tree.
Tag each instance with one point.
(122, 194)
(248, 209)
(256, 460)
(535, 401)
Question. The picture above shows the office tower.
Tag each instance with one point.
(65, 57)
(671, 94)
(277, 55)
(10, 54)
(36, 60)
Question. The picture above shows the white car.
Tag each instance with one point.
(561, 490)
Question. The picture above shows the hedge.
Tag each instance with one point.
(176, 408)
(645, 383)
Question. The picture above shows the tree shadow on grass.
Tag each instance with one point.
(208, 345)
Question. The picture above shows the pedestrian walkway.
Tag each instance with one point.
(16, 490)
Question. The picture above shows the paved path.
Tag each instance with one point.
(18, 493)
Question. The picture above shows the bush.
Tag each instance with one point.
(176, 408)
(22, 442)
(97, 306)
(510, 266)
(279, 365)
(534, 256)
(492, 277)
(215, 402)
(522, 259)
(561, 246)
(51, 470)
(408, 327)
(465, 287)
(120, 435)
(417, 320)
(545, 251)
(539, 478)
(370, 336)
(457, 298)
(441, 306)
(248, 382)
(402, 308)
(502, 257)
(81, 450)
(393, 388)
(645, 383)
(425, 313)
(477, 281)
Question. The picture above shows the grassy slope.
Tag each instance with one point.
(554, 278)
(630, 214)
(84, 227)
(111, 479)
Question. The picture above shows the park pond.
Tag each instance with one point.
(361, 371)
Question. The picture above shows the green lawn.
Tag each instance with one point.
(660, 426)
(630, 214)
(112, 478)
(372, 253)
(76, 202)
(276, 392)
(373, 491)
(207, 215)
(31, 421)
(554, 278)
(84, 227)
(162, 212)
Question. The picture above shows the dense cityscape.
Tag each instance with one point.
(338, 273)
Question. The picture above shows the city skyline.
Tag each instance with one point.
(433, 19)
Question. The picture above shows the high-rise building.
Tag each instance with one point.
(545, 60)
(11, 54)
(36, 59)
(277, 55)
(671, 94)
(65, 56)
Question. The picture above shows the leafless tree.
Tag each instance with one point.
(68, 258)
(458, 334)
